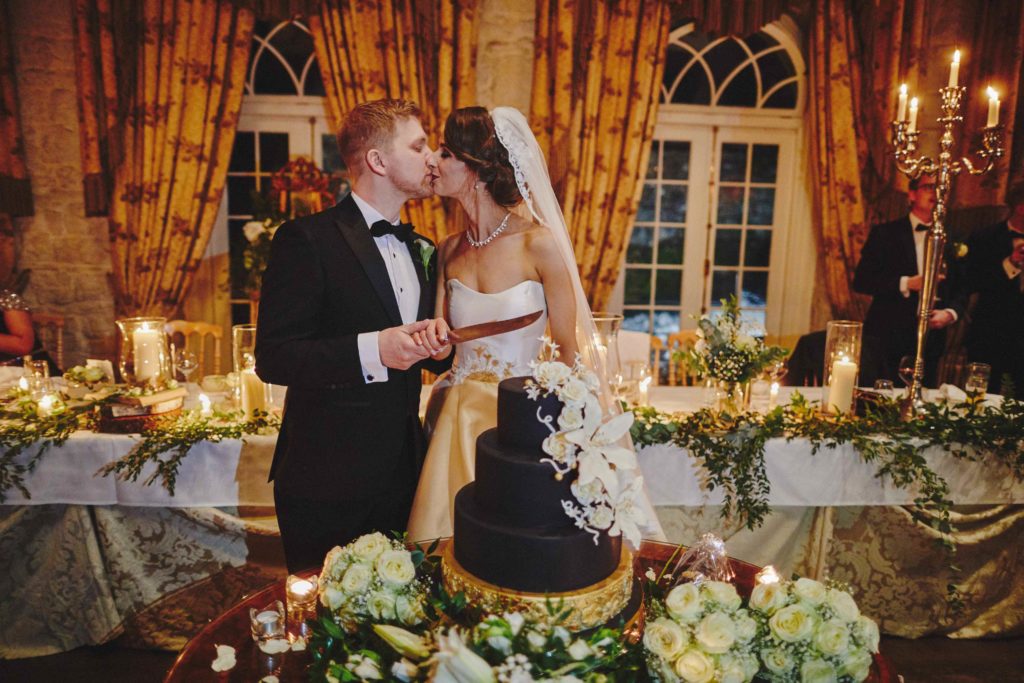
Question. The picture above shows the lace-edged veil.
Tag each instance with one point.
(531, 173)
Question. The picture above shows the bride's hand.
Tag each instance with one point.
(434, 337)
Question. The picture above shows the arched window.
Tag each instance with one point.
(720, 192)
(282, 61)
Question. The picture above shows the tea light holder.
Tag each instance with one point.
(300, 594)
(268, 623)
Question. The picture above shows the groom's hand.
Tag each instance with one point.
(398, 349)
(434, 338)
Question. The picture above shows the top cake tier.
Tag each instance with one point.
(518, 421)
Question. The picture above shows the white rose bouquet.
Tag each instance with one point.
(372, 579)
(809, 633)
(727, 350)
(699, 634)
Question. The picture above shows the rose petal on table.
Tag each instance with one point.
(299, 645)
(225, 660)
(269, 679)
(275, 646)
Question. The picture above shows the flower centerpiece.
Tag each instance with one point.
(730, 354)
(807, 631)
(298, 188)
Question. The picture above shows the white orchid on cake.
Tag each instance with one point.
(607, 487)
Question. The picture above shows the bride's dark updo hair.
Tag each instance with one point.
(469, 135)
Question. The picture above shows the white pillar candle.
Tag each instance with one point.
(146, 348)
(840, 388)
(45, 406)
(954, 70)
(913, 115)
(254, 392)
(993, 108)
(773, 395)
(205, 405)
(901, 108)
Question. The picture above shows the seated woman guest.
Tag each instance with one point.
(17, 336)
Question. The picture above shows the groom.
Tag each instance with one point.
(344, 291)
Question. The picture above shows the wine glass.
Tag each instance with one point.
(885, 387)
(977, 379)
(186, 362)
(905, 370)
(776, 371)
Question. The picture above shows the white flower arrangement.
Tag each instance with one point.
(372, 578)
(727, 349)
(608, 487)
(810, 632)
(701, 634)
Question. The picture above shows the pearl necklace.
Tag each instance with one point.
(497, 231)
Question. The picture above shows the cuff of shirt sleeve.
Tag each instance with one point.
(1012, 271)
(953, 313)
(369, 357)
(904, 290)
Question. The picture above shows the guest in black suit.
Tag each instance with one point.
(995, 259)
(343, 293)
(890, 271)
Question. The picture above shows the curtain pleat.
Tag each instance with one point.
(595, 91)
(177, 138)
(421, 51)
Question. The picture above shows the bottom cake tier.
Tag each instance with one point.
(591, 606)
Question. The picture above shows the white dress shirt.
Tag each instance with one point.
(404, 283)
(919, 238)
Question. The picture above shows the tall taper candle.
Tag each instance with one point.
(993, 108)
(954, 70)
(913, 116)
(901, 109)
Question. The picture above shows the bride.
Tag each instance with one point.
(515, 258)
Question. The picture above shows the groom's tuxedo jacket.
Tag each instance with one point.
(341, 438)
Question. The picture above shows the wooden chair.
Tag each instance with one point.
(50, 330)
(678, 372)
(184, 330)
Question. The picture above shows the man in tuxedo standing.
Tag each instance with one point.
(995, 259)
(890, 270)
(343, 293)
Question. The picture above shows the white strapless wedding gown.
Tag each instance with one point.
(464, 402)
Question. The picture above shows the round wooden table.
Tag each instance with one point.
(232, 628)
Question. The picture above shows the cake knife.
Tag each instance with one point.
(471, 332)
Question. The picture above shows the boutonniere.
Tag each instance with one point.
(956, 251)
(425, 250)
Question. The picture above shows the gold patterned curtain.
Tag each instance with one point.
(596, 77)
(189, 76)
(15, 192)
(422, 51)
(730, 17)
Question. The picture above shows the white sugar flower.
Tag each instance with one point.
(601, 517)
(574, 392)
(550, 374)
(570, 418)
(558, 447)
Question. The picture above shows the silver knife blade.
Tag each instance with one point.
(471, 332)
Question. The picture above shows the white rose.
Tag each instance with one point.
(550, 374)
(601, 517)
(867, 633)
(716, 633)
(570, 418)
(573, 392)
(408, 610)
(746, 628)
(356, 579)
(683, 602)
(767, 597)
(252, 230)
(777, 660)
(395, 567)
(731, 670)
(557, 447)
(857, 666)
(793, 623)
(665, 638)
(832, 638)
(693, 666)
(843, 605)
(536, 641)
(369, 546)
(723, 593)
(579, 650)
(662, 670)
(332, 598)
(750, 664)
(810, 590)
(817, 671)
(381, 606)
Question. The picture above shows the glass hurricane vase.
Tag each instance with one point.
(144, 359)
(732, 397)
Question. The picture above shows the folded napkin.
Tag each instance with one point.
(950, 392)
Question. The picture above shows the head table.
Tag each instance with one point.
(86, 555)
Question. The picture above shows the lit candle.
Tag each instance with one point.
(644, 388)
(23, 383)
(773, 395)
(913, 115)
(254, 392)
(146, 347)
(840, 388)
(205, 405)
(45, 406)
(954, 70)
(993, 107)
(901, 109)
(767, 575)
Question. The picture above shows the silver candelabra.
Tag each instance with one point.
(945, 168)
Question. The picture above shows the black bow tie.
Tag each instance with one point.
(921, 227)
(403, 231)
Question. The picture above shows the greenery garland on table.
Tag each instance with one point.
(731, 448)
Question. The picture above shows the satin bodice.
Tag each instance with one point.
(503, 355)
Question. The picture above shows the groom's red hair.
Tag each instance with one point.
(371, 125)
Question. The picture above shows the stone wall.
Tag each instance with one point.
(505, 53)
(68, 254)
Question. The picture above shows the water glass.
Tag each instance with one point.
(885, 388)
(976, 384)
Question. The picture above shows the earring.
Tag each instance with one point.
(476, 186)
